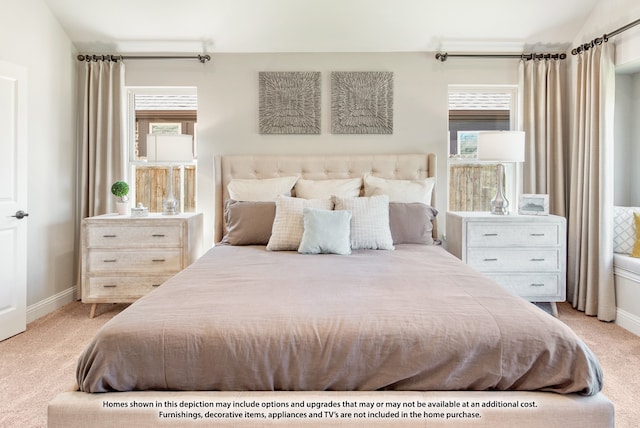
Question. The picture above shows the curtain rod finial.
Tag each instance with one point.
(442, 57)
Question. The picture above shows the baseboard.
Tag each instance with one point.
(50, 304)
(628, 321)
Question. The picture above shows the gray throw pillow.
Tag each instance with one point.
(248, 222)
(411, 222)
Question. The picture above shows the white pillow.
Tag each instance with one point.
(288, 224)
(400, 190)
(325, 232)
(624, 229)
(265, 189)
(369, 222)
(322, 189)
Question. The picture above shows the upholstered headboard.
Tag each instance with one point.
(315, 167)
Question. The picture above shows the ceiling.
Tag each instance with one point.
(198, 26)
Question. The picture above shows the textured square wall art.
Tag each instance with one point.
(289, 102)
(362, 102)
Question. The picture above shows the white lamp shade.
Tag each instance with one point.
(169, 148)
(501, 146)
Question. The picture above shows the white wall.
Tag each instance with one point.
(627, 140)
(634, 180)
(624, 114)
(31, 37)
(228, 105)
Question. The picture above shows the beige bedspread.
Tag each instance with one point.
(242, 318)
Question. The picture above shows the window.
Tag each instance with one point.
(472, 184)
(161, 111)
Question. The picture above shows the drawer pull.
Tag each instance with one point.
(536, 285)
(110, 286)
(155, 285)
(110, 261)
(157, 260)
(108, 236)
(537, 234)
(490, 260)
(537, 260)
(490, 234)
(158, 235)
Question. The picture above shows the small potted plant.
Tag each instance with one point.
(121, 189)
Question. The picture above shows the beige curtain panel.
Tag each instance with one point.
(100, 135)
(99, 142)
(541, 109)
(590, 286)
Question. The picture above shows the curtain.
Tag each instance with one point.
(590, 223)
(541, 110)
(99, 141)
(100, 135)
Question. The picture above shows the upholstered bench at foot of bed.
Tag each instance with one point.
(627, 280)
(535, 409)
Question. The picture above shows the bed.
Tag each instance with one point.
(404, 334)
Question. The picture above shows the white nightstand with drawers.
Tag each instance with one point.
(524, 253)
(123, 257)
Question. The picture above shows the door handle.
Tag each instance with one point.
(20, 215)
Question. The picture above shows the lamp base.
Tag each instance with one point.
(499, 203)
(168, 210)
(499, 210)
(170, 203)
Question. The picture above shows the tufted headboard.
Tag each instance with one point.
(315, 167)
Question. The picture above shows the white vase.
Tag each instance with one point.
(122, 207)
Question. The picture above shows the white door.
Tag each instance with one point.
(13, 199)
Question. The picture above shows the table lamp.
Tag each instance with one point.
(500, 146)
(172, 149)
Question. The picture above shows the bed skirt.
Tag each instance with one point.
(320, 409)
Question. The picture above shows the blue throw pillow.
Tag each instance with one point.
(325, 231)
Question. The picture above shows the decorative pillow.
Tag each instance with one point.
(636, 246)
(248, 222)
(369, 222)
(266, 189)
(323, 189)
(411, 223)
(624, 230)
(325, 232)
(288, 224)
(400, 190)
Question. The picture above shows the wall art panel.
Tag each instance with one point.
(362, 102)
(289, 102)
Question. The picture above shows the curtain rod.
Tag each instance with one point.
(442, 57)
(605, 38)
(202, 58)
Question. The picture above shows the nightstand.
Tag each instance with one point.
(125, 257)
(526, 254)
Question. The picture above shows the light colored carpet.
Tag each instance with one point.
(37, 365)
(40, 363)
(618, 351)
